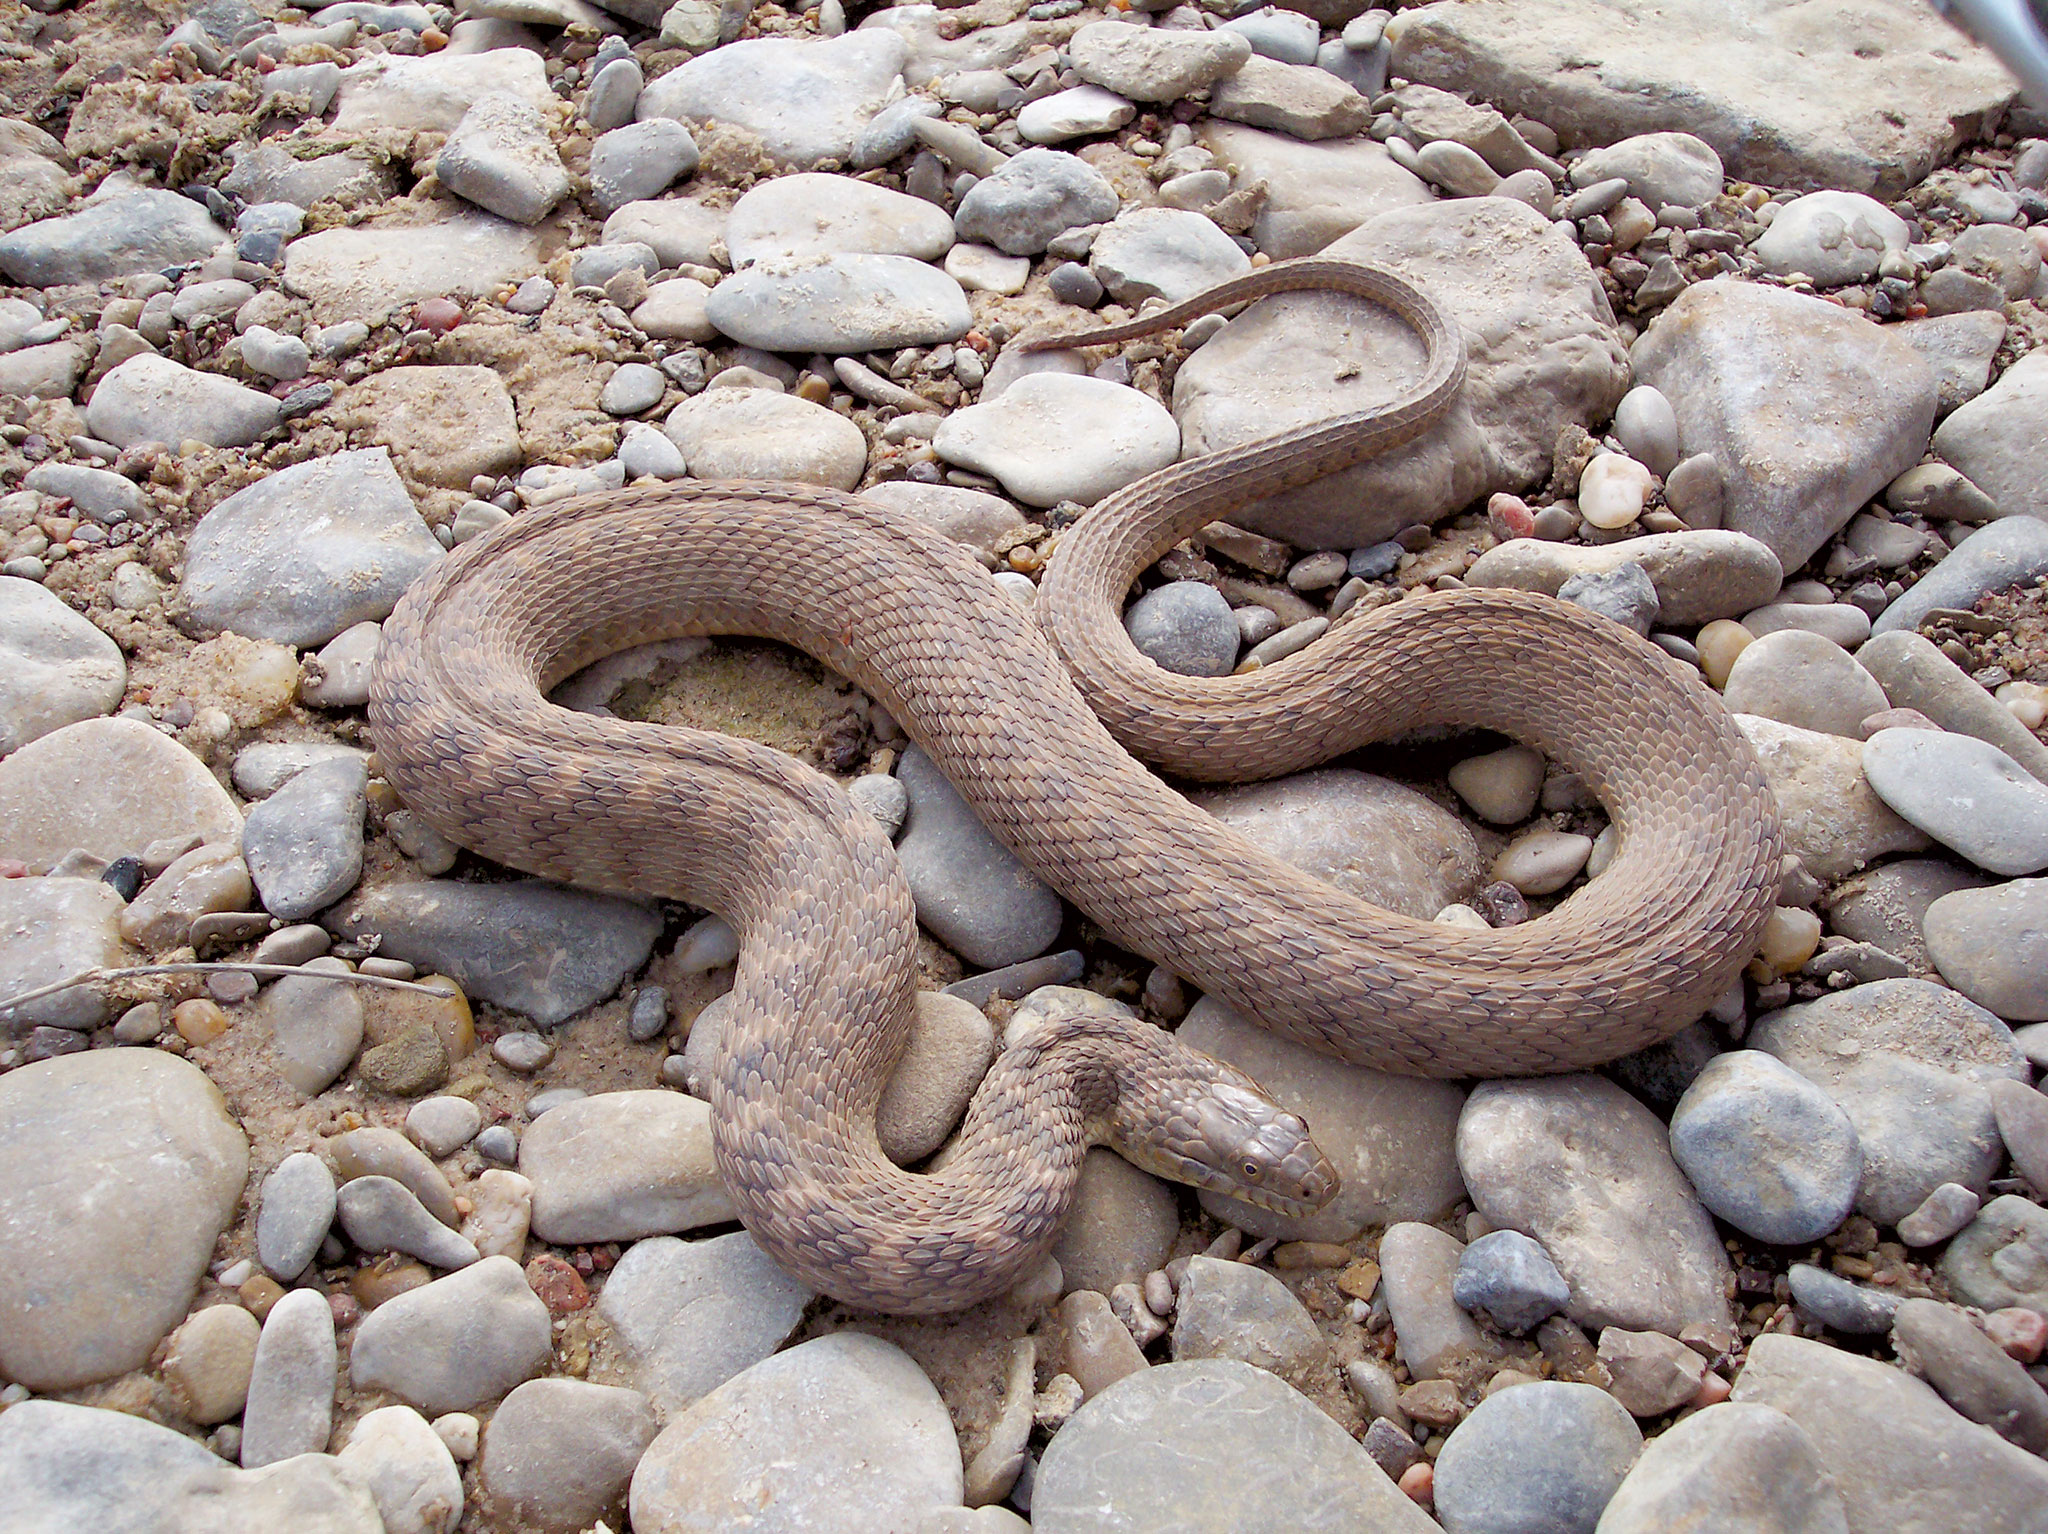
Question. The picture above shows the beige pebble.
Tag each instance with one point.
(1605, 845)
(199, 1021)
(1461, 915)
(2026, 701)
(1543, 862)
(1789, 939)
(210, 1360)
(1099, 1348)
(1612, 491)
(1719, 643)
(498, 1220)
(1500, 786)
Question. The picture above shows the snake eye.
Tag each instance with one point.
(1251, 1170)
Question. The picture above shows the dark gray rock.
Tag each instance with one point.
(1185, 626)
(1848, 1308)
(971, 890)
(1766, 1149)
(304, 844)
(1544, 1456)
(1510, 1280)
(141, 231)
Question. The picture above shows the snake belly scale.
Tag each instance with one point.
(826, 978)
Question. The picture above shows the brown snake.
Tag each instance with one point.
(823, 995)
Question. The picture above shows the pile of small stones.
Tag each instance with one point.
(415, 1226)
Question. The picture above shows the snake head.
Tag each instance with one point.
(1228, 1137)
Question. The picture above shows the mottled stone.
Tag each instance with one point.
(560, 1452)
(619, 1165)
(1547, 1455)
(1737, 1465)
(458, 1342)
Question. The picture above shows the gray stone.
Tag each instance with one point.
(293, 1215)
(1391, 1139)
(1163, 253)
(456, 1343)
(1993, 438)
(972, 517)
(43, 372)
(139, 231)
(304, 844)
(1510, 1280)
(100, 494)
(2001, 1257)
(1584, 1168)
(315, 1026)
(1901, 1459)
(407, 1469)
(1961, 348)
(2008, 552)
(1802, 679)
(1848, 1308)
(1766, 1149)
(431, 92)
(50, 930)
(529, 946)
(951, 1046)
(1836, 622)
(1833, 821)
(1662, 169)
(807, 100)
(634, 387)
(79, 1467)
(443, 1125)
(619, 1165)
(1698, 576)
(875, 1436)
(1909, 1062)
(370, 274)
(1234, 1310)
(1547, 1455)
(375, 1151)
(689, 1315)
(1623, 595)
(1038, 194)
(291, 1389)
(1210, 1447)
(1418, 1276)
(1541, 355)
(1973, 1374)
(971, 891)
(1965, 793)
(814, 215)
(1916, 675)
(309, 551)
(1315, 192)
(1737, 1465)
(680, 231)
(839, 304)
(639, 160)
(1833, 237)
(1992, 945)
(106, 1242)
(1941, 1214)
(153, 399)
(339, 676)
(1787, 102)
(1052, 436)
(1086, 111)
(1809, 410)
(1296, 99)
(380, 1214)
(757, 434)
(1121, 1225)
(560, 1452)
(1152, 63)
(111, 787)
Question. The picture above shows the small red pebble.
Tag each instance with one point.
(1510, 517)
(440, 315)
(1419, 1482)
(2021, 1332)
(13, 868)
(1712, 1392)
(347, 1308)
(560, 1286)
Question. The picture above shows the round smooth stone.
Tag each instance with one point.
(839, 304)
(1052, 437)
(1992, 945)
(1802, 678)
(1082, 112)
(1544, 1456)
(1500, 787)
(758, 434)
(1965, 793)
(1647, 426)
(1185, 626)
(1766, 1149)
(1543, 862)
(634, 387)
(1612, 491)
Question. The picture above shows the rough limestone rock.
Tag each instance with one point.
(1541, 354)
(1865, 95)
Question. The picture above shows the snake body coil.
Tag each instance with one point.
(822, 999)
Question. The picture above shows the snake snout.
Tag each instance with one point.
(1256, 1151)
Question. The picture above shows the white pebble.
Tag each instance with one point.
(1543, 862)
(1612, 491)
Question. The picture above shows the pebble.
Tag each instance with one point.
(971, 891)
(1033, 197)
(209, 1362)
(1909, 1062)
(1153, 63)
(1801, 678)
(153, 399)
(152, 1172)
(1419, 1265)
(1584, 1168)
(806, 100)
(1542, 862)
(1698, 576)
(2008, 552)
(1652, 1374)
(1663, 169)
(379, 1152)
(1833, 821)
(2023, 1125)
(534, 948)
(294, 1214)
(315, 1026)
(1096, 1347)
(291, 1387)
(1163, 253)
(1986, 438)
(1832, 237)
(380, 1214)
(80, 1467)
(638, 161)
(1546, 1455)
(1836, 622)
(1965, 793)
(307, 552)
(407, 1469)
(304, 844)
(1120, 1226)
(459, 1342)
(138, 231)
(1972, 1373)
(1511, 1280)
(1849, 1308)
(876, 1436)
(1940, 1215)
(560, 1452)
(1766, 1149)
(1987, 943)
(1647, 428)
(1085, 111)
(1732, 1465)
(1501, 786)
(1149, 1442)
(1295, 99)
(1185, 626)
(618, 1165)
(691, 1315)
(810, 216)
(839, 303)
(97, 493)
(755, 433)
(56, 667)
(1233, 1310)
(1625, 595)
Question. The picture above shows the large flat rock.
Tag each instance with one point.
(1861, 95)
